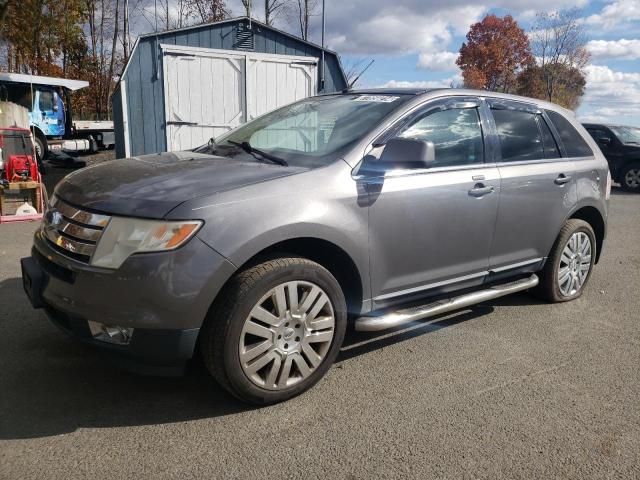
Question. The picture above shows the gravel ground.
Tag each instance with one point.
(510, 389)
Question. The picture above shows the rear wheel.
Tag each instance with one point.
(630, 178)
(569, 265)
(276, 330)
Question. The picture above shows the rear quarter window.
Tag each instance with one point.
(574, 144)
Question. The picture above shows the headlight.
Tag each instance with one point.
(125, 236)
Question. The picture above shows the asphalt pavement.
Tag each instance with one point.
(513, 388)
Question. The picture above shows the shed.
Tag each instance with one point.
(181, 87)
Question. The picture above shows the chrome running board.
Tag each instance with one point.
(412, 314)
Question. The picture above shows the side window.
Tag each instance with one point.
(548, 142)
(598, 134)
(574, 144)
(456, 134)
(519, 135)
(45, 101)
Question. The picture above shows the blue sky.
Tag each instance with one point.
(415, 43)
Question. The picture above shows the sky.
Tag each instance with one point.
(416, 43)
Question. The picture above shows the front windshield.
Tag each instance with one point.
(627, 135)
(312, 132)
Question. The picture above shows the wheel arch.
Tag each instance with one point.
(37, 133)
(593, 217)
(326, 253)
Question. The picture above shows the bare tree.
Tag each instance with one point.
(247, 7)
(300, 13)
(273, 8)
(559, 42)
(204, 11)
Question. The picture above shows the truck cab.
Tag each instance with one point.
(48, 101)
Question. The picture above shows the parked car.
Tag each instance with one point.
(621, 146)
(260, 246)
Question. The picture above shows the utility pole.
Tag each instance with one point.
(126, 30)
(322, 71)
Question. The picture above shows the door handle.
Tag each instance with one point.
(480, 190)
(562, 179)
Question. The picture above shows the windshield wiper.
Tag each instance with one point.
(246, 146)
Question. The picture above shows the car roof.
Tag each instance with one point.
(428, 92)
(392, 91)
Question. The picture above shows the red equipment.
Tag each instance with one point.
(21, 168)
(19, 173)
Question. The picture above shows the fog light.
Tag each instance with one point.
(110, 334)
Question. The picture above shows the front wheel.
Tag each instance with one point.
(569, 265)
(42, 149)
(630, 178)
(275, 330)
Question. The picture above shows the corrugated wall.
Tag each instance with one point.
(144, 84)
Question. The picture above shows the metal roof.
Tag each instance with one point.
(235, 20)
(40, 80)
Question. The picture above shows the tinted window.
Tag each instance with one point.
(46, 101)
(548, 142)
(519, 135)
(574, 144)
(455, 133)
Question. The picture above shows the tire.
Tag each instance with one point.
(630, 177)
(551, 288)
(236, 323)
(42, 149)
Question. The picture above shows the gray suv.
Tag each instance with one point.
(377, 207)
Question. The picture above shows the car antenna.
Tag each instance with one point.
(359, 75)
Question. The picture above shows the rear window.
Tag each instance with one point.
(519, 135)
(574, 144)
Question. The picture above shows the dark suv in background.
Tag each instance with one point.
(621, 146)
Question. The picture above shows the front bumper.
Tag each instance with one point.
(164, 297)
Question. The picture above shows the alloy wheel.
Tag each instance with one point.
(575, 264)
(287, 335)
(632, 178)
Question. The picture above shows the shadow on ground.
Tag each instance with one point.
(52, 384)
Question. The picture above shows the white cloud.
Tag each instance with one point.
(611, 96)
(443, 83)
(438, 62)
(615, 14)
(622, 49)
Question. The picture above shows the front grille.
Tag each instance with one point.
(73, 232)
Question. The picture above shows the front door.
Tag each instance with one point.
(431, 229)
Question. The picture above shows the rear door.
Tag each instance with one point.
(537, 189)
(431, 229)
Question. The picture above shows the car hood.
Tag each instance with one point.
(152, 185)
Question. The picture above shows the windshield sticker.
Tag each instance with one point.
(375, 98)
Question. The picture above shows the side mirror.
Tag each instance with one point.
(408, 153)
(604, 140)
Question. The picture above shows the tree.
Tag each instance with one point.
(300, 13)
(496, 50)
(568, 89)
(559, 42)
(205, 11)
(273, 8)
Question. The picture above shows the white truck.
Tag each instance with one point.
(50, 114)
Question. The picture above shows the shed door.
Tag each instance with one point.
(274, 81)
(208, 91)
(205, 97)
